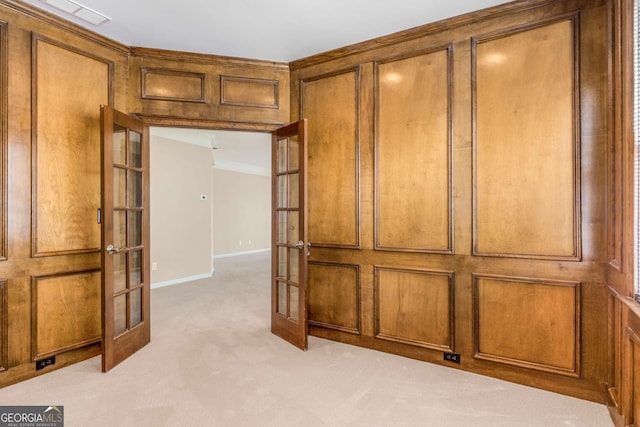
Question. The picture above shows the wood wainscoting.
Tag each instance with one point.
(456, 193)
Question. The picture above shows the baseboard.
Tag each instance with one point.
(181, 280)
(241, 253)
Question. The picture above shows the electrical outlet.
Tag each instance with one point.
(452, 357)
(41, 364)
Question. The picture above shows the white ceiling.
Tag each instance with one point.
(274, 30)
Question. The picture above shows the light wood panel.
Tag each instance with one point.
(68, 88)
(171, 85)
(330, 103)
(4, 325)
(334, 296)
(66, 312)
(413, 153)
(415, 307)
(532, 323)
(248, 92)
(526, 173)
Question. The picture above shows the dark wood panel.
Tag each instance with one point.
(334, 296)
(330, 103)
(248, 92)
(415, 307)
(526, 136)
(171, 85)
(68, 88)
(533, 323)
(66, 312)
(413, 153)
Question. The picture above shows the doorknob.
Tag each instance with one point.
(113, 250)
(300, 244)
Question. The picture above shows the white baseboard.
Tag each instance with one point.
(181, 280)
(241, 253)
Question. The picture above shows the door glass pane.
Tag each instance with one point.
(119, 271)
(119, 145)
(293, 154)
(282, 262)
(135, 268)
(135, 228)
(135, 149)
(135, 307)
(294, 266)
(282, 155)
(293, 302)
(135, 189)
(119, 315)
(119, 229)
(294, 234)
(119, 188)
(282, 227)
(282, 298)
(293, 190)
(282, 191)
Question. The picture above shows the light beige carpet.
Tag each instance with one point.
(213, 362)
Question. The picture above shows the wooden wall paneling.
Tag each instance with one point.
(533, 323)
(4, 111)
(249, 92)
(65, 312)
(68, 88)
(615, 357)
(413, 153)
(4, 325)
(331, 104)
(415, 307)
(334, 296)
(170, 85)
(209, 91)
(527, 175)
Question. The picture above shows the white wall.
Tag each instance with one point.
(181, 223)
(241, 212)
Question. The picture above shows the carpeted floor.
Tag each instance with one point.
(212, 361)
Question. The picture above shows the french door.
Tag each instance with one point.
(289, 234)
(125, 236)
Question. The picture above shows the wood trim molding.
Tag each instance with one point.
(201, 58)
(54, 20)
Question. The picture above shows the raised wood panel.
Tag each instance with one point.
(3, 141)
(66, 312)
(334, 296)
(533, 323)
(413, 153)
(248, 92)
(68, 88)
(330, 103)
(170, 85)
(415, 307)
(526, 174)
(4, 325)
